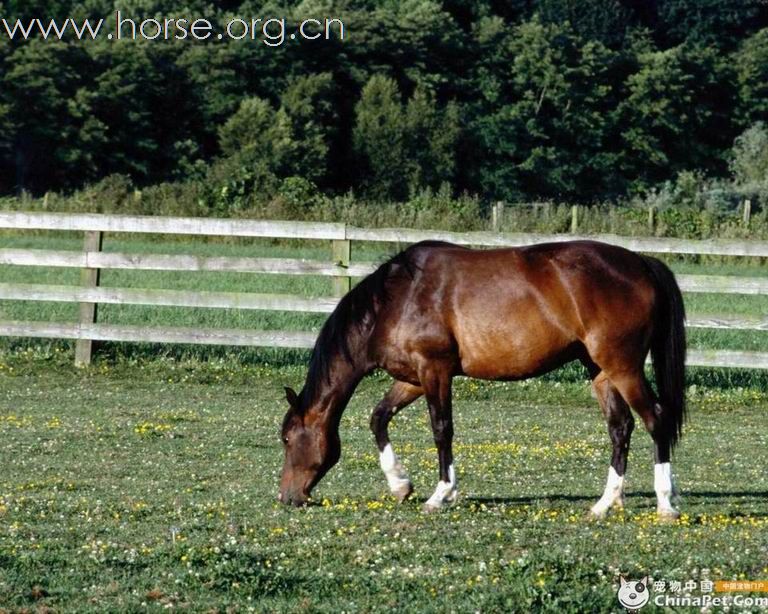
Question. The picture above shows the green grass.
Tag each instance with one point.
(154, 483)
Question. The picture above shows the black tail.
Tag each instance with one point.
(668, 349)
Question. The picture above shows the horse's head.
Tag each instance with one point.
(311, 446)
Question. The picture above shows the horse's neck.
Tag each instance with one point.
(333, 395)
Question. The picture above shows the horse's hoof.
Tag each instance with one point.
(594, 516)
(667, 515)
(402, 493)
(430, 509)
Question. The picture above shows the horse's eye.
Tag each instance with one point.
(285, 440)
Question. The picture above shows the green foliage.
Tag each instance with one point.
(299, 194)
(39, 81)
(544, 126)
(252, 131)
(709, 22)
(553, 99)
(600, 20)
(673, 115)
(405, 147)
(379, 137)
(750, 155)
(749, 165)
(6, 147)
(112, 192)
(429, 208)
(311, 117)
(262, 146)
(751, 62)
(431, 134)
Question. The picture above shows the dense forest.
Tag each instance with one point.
(574, 100)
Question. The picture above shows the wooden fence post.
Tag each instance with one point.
(342, 253)
(497, 216)
(747, 211)
(651, 219)
(89, 278)
(574, 219)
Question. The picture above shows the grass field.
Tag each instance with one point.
(145, 486)
(148, 481)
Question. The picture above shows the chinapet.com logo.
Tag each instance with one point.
(633, 594)
(636, 594)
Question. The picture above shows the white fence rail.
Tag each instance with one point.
(91, 260)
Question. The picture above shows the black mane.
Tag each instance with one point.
(355, 311)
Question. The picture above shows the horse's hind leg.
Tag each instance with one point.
(638, 393)
(620, 427)
(399, 396)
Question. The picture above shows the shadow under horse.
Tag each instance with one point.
(437, 310)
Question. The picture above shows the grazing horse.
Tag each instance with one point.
(437, 310)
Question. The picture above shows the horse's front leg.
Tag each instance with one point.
(400, 395)
(437, 389)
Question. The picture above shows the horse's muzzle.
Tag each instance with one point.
(295, 499)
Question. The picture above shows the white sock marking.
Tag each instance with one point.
(612, 495)
(664, 487)
(397, 479)
(445, 492)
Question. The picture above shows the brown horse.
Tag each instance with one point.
(437, 310)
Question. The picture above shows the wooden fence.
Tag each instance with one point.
(89, 294)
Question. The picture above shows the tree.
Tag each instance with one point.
(39, 81)
(7, 129)
(721, 23)
(676, 114)
(250, 129)
(146, 103)
(751, 62)
(542, 126)
(379, 138)
(405, 147)
(254, 142)
(42, 9)
(218, 85)
(308, 105)
(431, 139)
(749, 162)
(606, 21)
(416, 42)
(290, 141)
(7, 138)
(88, 138)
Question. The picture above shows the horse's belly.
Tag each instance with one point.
(494, 351)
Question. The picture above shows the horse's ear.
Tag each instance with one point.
(292, 397)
